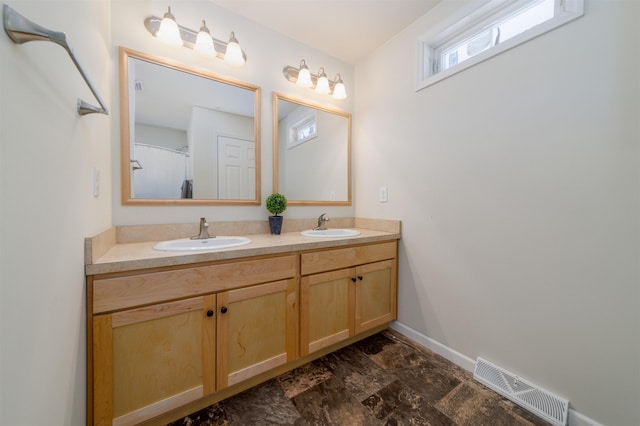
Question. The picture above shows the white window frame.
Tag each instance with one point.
(473, 18)
(307, 120)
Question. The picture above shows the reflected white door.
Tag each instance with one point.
(236, 169)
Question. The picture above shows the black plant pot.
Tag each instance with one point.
(275, 223)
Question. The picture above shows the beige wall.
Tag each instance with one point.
(47, 154)
(519, 198)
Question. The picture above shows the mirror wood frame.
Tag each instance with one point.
(278, 96)
(125, 172)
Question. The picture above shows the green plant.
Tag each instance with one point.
(276, 203)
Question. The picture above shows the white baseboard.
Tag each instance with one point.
(577, 419)
(574, 418)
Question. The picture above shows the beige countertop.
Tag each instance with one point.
(114, 256)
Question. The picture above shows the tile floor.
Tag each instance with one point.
(385, 379)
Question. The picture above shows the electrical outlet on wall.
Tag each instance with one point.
(383, 195)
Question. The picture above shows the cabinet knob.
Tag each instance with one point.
(224, 309)
(209, 313)
(353, 279)
(360, 277)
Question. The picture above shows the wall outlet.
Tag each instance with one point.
(383, 195)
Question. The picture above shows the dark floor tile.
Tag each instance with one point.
(374, 344)
(303, 378)
(361, 376)
(393, 356)
(473, 404)
(265, 404)
(417, 371)
(211, 416)
(437, 361)
(398, 404)
(385, 379)
(329, 403)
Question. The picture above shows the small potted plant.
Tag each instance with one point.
(276, 203)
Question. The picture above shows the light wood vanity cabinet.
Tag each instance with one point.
(160, 339)
(152, 358)
(346, 291)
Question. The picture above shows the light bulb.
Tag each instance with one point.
(304, 76)
(339, 91)
(322, 86)
(233, 56)
(204, 42)
(169, 32)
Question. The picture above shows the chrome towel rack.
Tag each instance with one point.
(21, 30)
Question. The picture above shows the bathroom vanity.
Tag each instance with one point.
(170, 333)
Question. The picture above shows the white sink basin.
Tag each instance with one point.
(187, 244)
(330, 233)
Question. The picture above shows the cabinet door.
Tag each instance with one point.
(326, 309)
(376, 294)
(257, 328)
(152, 359)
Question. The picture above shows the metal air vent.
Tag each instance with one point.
(539, 401)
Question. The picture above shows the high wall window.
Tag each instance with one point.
(476, 33)
(303, 130)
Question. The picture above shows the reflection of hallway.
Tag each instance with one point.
(385, 379)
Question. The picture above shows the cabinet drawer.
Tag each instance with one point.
(112, 294)
(328, 260)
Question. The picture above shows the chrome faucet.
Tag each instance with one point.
(204, 230)
(321, 223)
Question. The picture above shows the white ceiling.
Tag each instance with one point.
(345, 29)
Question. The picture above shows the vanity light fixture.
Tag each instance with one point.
(168, 31)
(320, 83)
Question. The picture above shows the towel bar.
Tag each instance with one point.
(21, 30)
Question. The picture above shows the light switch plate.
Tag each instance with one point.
(96, 182)
(383, 196)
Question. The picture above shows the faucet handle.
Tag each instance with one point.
(321, 220)
(204, 233)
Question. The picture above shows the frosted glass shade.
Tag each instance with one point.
(204, 42)
(322, 86)
(169, 32)
(304, 77)
(233, 56)
(339, 91)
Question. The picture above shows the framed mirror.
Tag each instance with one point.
(311, 153)
(187, 136)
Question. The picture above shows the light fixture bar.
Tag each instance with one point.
(189, 36)
(291, 74)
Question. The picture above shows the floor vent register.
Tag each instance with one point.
(531, 397)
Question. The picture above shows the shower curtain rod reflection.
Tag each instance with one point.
(21, 30)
